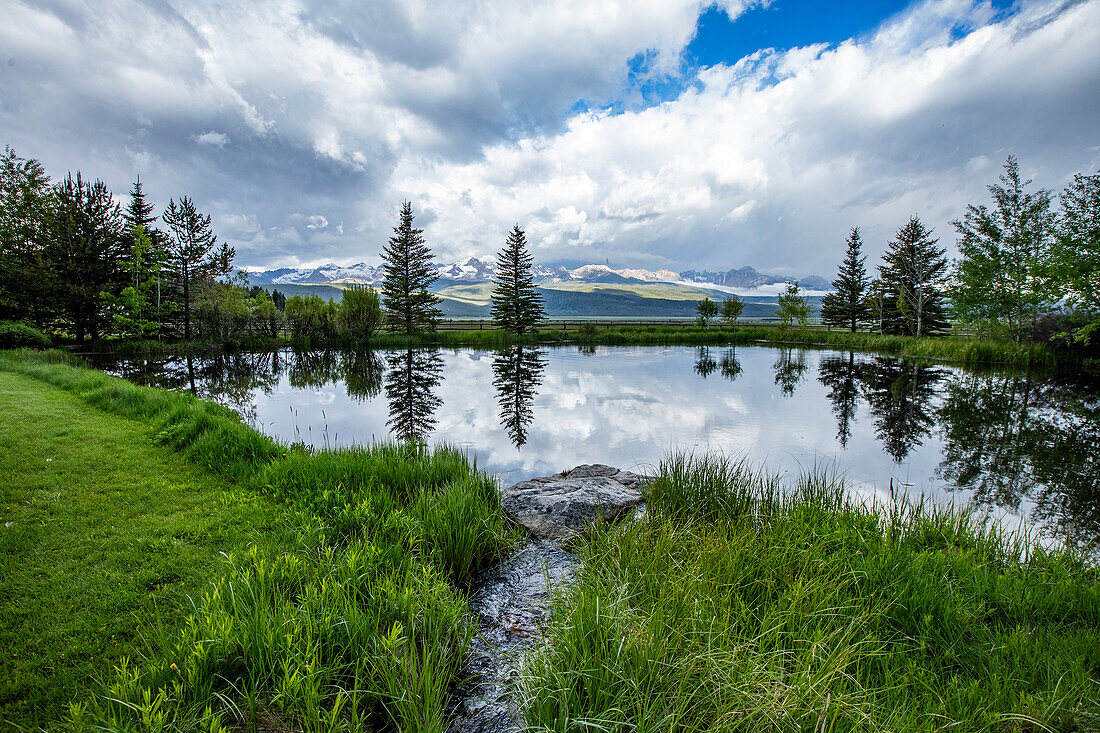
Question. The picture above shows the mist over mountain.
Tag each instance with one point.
(474, 270)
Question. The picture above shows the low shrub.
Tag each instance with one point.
(19, 335)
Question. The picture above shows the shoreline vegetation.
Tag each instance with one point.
(738, 603)
(965, 350)
(360, 623)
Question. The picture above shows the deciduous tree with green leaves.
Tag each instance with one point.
(732, 308)
(134, 311)
(359, 313)
(1002, 276)
(407, 264)
(1077, 251)
(793, 307)
(846, 306)
(707, 309)
(516, 304)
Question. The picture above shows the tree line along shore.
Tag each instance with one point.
(75, 266)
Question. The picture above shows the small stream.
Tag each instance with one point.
(510, 601)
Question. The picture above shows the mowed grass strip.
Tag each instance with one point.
(104, 538)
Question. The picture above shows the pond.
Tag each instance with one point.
(1023, 448)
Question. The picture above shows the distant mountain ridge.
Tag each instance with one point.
(473, 270)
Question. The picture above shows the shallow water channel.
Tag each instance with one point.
(1023, 448)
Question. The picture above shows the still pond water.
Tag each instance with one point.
(1019, 447)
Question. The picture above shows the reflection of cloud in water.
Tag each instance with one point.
(630, 406)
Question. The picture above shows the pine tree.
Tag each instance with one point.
(407, 263)
(85, 250)
(846, 306)
(139, 214)
(26, 281)
(193, 253)
(516, 305)
(913, 271)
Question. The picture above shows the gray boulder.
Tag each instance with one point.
(559, 507)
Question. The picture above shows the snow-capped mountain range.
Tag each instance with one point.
(473, 270)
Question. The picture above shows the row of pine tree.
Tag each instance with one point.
(1020, 261)
(71, 258)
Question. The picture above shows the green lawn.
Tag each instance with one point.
(104, 536)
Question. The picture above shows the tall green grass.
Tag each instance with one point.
(363, 626)
(739, 604)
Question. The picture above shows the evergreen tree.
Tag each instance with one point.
(140, 214)
(913, 271)
(846, 305)
(193, 253)
(901, 397)
(26, 282)
(85, 251)
(1001, 275)
(407, 264)
(132, 310)
(516, 305)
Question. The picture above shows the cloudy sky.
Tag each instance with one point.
(645, 133)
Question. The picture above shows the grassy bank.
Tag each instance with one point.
(361, 624)
(737, 606)
(964, 350)
(100, 527)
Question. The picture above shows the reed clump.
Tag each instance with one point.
(364, 626)
(741, 604)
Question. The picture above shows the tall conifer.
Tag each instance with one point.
(846, 306)
(913, 271)
(516, 305)
(193, 253)
(407, 264)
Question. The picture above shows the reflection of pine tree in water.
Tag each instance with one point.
(704, 362)
(900, 395)
(841, 376)
(1010, 438)
(517, 373)
(362, 374)
(411, 379)
(729, 366)
(789, 369)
